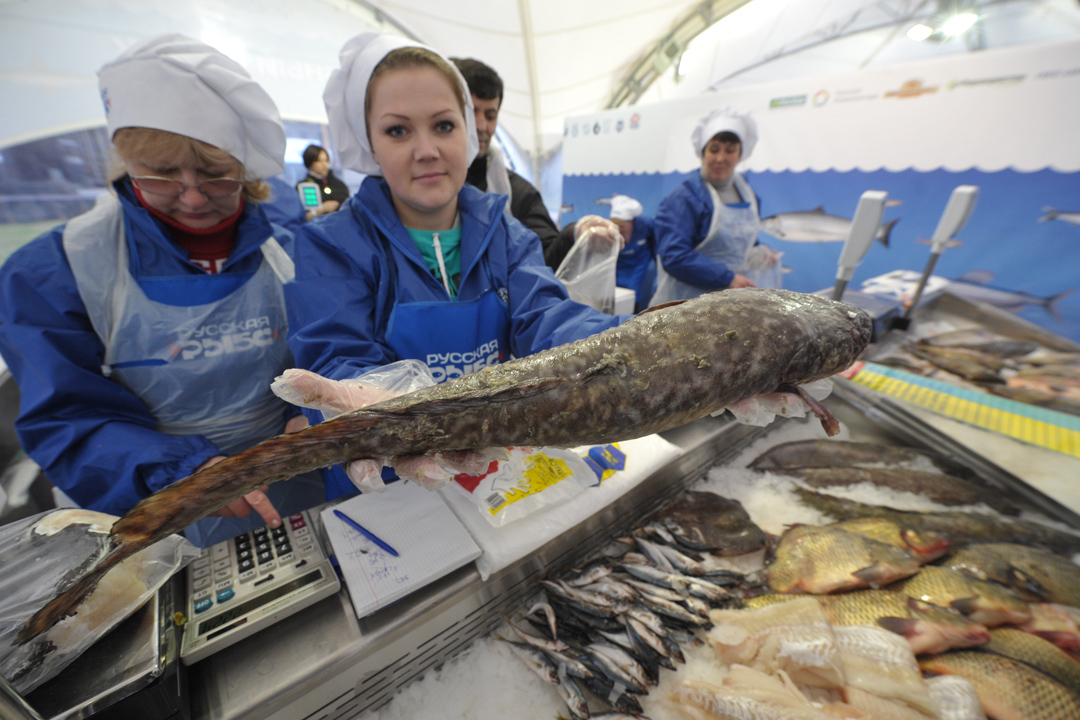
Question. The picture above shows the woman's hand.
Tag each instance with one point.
(741, 281)
(598, 232)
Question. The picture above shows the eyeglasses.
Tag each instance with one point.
(220, 187)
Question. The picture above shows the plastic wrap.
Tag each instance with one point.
(760, 410)
(588, 270)
(763, 267)
(528, 480)
(42, 555)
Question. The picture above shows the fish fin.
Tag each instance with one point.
(965, 606)
(1051, 214)
(819, 209)
(893, 203)
(906, 627)
(948, 243)
(883, 233)
(876, 575)
(1051, 303)
(976, 277)
(1027, 584)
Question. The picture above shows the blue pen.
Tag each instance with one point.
(366, 533)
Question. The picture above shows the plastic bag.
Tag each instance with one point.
(43, 554)
(334, 397)
(589, 276)
(528, 480)
(763, 267)
(760, 410)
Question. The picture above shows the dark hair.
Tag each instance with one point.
(483, 82)
(312, 153)
(726, 137)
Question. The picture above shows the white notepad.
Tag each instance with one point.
(418, 524)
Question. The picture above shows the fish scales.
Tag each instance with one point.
(1007, 689)
(662, 369)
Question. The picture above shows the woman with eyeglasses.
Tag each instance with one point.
(145, 333)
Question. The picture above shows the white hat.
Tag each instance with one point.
(347, 87)
(174, 83)
(625, 208)
(725, 119)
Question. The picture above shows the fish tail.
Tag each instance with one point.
(886, 229)
(1051, 214)
(67, 603)
(1051, 303)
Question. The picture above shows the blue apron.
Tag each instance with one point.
(200, 369)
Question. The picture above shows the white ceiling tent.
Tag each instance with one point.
(558, 58)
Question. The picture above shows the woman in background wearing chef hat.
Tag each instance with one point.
(636, 269)
(145, 333)
(417, 265)
(706, 226)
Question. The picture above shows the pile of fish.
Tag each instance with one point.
(601, 633)
(957, 615)
(978, 359)
(983, 596)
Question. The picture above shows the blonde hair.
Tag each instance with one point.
(155, 147)
(413, 57)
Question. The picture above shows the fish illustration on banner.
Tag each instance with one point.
(816, 226)
(1073, 218)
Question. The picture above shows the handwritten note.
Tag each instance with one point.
(430, 540)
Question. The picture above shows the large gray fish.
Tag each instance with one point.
(717, 521)
(942, 489)
(960, 527)
(848, 453)
(664, 368)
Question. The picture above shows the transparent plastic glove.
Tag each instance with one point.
(334, 397)
(598, 232)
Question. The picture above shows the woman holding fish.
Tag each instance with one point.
(707, 227)
(144, 334)
(418, 264)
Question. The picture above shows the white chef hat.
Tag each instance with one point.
(174, 83)
(347, 87)
(625, 208)
(725, 119)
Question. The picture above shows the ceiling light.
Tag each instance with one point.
(957, 24)
(920, 32)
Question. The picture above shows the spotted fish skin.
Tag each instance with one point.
(664, 368)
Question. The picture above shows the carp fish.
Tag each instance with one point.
(1032, 573)
(824, 559)
(668, 366)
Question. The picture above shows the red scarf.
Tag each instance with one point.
(208, 248)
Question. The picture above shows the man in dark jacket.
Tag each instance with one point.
(489, 172)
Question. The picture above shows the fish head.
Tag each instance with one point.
(993, 608)
(925, 544)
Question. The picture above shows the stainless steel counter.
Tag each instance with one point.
(325, 664)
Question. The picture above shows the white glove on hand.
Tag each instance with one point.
(334, 397)
(598, 232)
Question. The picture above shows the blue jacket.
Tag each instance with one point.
(95, 440)
(340, 304)
(341, 300)
(682, 222)
(632, 271)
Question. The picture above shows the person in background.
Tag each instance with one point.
(489, 172)
(332, 190)
(283, 207)
(706, 226)
(418, 265)
(636, 269)
(145, 333)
